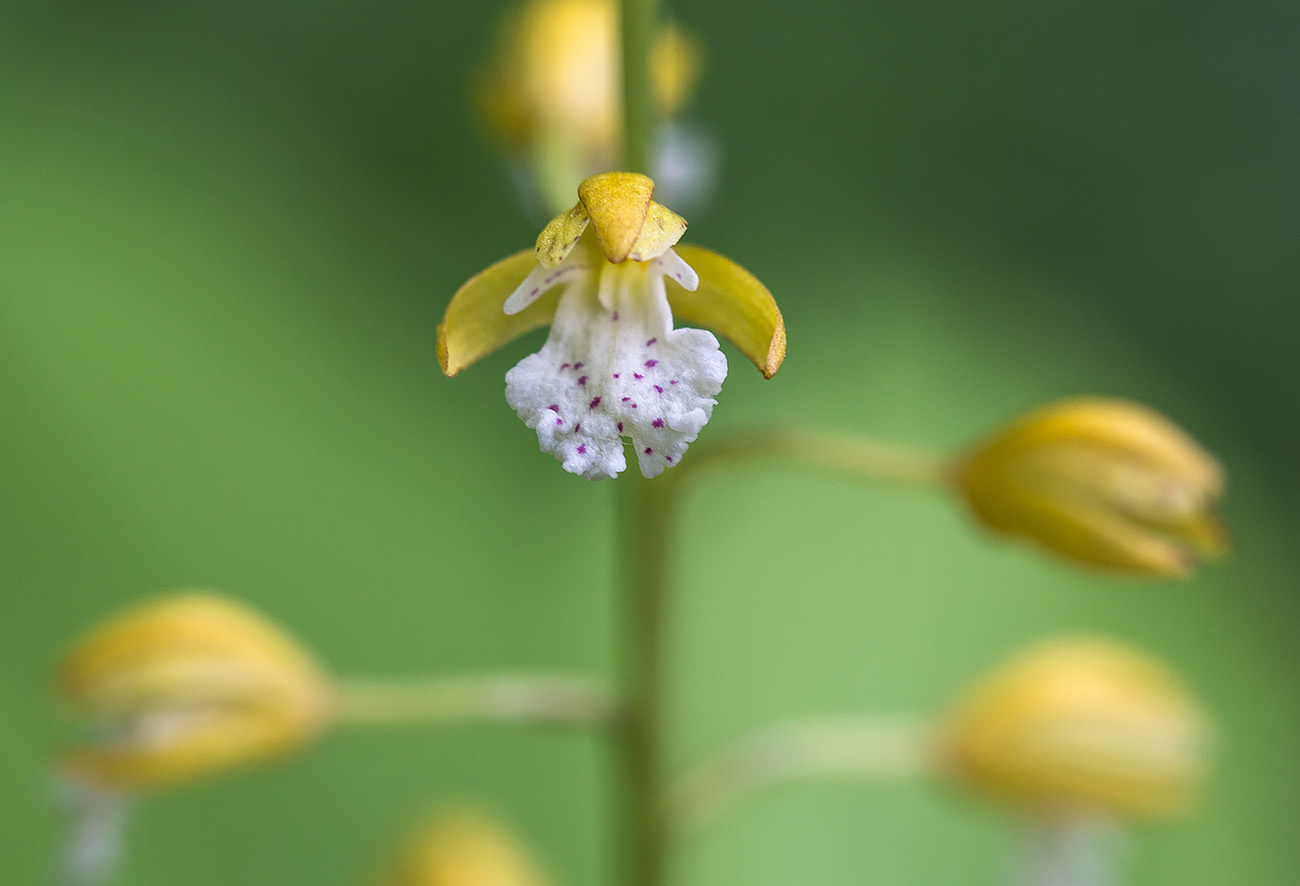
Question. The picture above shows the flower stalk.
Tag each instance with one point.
(644, 533)
(873, 748)
(637, 28)
(859, 457)
(510, 699)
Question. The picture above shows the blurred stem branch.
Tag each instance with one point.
(861, 748)
(547, 700)
(644, 538)
(638, 22)
(859, 457)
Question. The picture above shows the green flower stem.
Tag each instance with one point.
(645, 524)
(638, 23)
(546, 700)
(858, 457)
(873, 748)
(644, 537)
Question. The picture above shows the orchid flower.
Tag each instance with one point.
(607, 278)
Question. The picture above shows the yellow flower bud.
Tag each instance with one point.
(555, 69)
(1106, 483)
(187, 685)
(1080, 724)
(462, 848)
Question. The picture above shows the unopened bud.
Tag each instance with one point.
(1080, 725)
(1102, 482)
(462, 848)
(187, 685)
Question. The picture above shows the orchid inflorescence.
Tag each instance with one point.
(1070, 731)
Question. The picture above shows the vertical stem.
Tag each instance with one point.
(638, 24)
(643, 542)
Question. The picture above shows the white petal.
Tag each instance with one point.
(673, 266)
(542, 279)
(609, 372)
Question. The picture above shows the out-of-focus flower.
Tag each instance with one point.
(183, 686)
(461, 848)
(1102, 482)
(1080, 726)
(551, 89)
(614, 366)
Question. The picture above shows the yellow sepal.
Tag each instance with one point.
(475, 324)
(1127, 429)
(731, 301)
(661, 230)
(617, 204)
(560, 235)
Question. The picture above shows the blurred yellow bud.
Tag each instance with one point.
(1106, 483)
(187, 685)
(462, 848)
(555, 66)
(1080, 724)
(550, 90)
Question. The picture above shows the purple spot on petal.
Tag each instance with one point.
(582, 380)
(638, 376)
(564, 366)
(577, 427)
(657, 423)
(625, 399)
(648, 450)
(634, 406)
(554, 407)
(668, 458)
(616, 374)
(659, 389)
(578, 365)
(582, 449)
(595, 401)
(678, 275)
(620, 427)
(673, 382)
(559, 421)
(651, 364)
(615, 317)
(651, 341)
(534, 292)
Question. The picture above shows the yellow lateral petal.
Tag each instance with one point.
(617, 203)
(475, 324)
(662, 229)
(733, 302)
(560, 235)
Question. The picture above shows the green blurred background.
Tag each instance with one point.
(228, 232)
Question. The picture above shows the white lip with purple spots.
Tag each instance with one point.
(613, 366)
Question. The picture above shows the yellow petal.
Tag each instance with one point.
(476, 324)
(560, 235)
(1117, 426)
(733, 302)
(1088, 533)
(617, 204)
(662, 229)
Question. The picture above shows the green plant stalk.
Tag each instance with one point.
(541, 699)
(638, 22)
(858, 457)
(644, 540)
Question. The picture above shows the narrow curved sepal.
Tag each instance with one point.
(733, 302)
(560, 235)
(476, 324)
